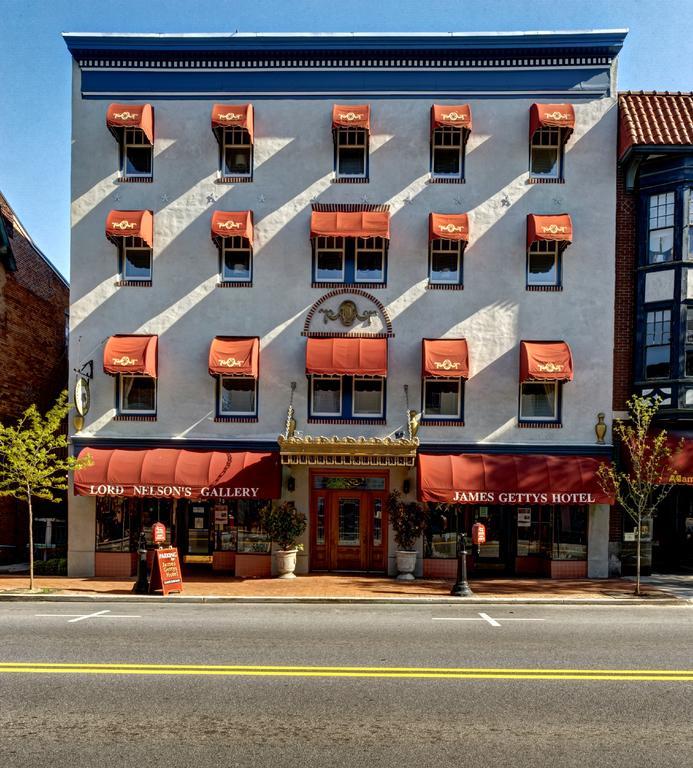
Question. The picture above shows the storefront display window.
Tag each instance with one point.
(534, 531)
(113, 527)
(251, 537)
(569, 533)
(440, 537)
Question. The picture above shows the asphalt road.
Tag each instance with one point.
(337, 686)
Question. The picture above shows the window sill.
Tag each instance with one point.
(544, 288)
(442, 422)
(236, 419)
(435, 180)
(348, 285)
(134, 179)
(133, 417)
(337, 420)
(234, 284)
(539, 425)
(133, 283)
(531, 180)
(351, 180)
(445, 287)
(233, 179)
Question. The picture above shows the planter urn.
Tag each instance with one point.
(286, 563)
(406, 562)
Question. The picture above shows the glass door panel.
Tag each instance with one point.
(349, 522)
(198, 530)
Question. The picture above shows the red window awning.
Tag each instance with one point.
(233, 116)
(446, 116)
(558, 228)
(445, 357)
(131, 354)
(452, 226)
(552, 116)
(545, 361)
(350, 224)
(139, 224)
(140, 116)
(176, 473)
(346, 356)
(234, 356)
(233, 223)
(351, 116)
(480, 478)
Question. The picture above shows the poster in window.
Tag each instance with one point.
(524, 517)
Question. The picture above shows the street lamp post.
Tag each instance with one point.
(141, 585)
(461, 587)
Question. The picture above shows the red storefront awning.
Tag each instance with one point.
(480, 478)
(457, 116)
(175, 473)
(552, 116)
(680, 462)
(346, 356)
(140, 116)
(350, 224)
(131, 354)
(233, 356)
(233, 223)
(545, 361)
(351, 116)
(558, 228)
(445, 357)
(140, 224)
(233, 116)
(448, 226)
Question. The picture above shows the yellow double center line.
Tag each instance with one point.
(440, 673)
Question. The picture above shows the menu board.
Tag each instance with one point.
(166, 574)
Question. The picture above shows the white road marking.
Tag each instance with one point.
(491, 621)
(82, 617)
(482, 617)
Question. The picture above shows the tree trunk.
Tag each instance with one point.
(31, 540)
(637, 559)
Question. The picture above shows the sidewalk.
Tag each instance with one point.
(348, 587)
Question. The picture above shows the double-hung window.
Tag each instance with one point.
(135, 260)
(445, 264)
(234, 361)
(136, 395)
(132, 125)
(350, 133)
(445, 367)
(547, 239)
(235, 153)
(447, 153)
(661, 228)
(135, 155)
(546, 154)
(236, 260)
(442, 398)
(326, 396)
(237, 396)
(543, 262)
(545, 366)
(657, 361)
(132, 232)
(539, 401)
(347, 397)
(329, 260)
(367, 397)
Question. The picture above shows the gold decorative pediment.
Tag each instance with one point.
(348, 451)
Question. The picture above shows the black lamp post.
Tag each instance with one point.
(461, 586)
(141, 585)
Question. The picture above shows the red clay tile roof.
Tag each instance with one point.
(662, 119)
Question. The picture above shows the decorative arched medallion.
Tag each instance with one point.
(348, 312)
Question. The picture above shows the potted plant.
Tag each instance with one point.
(408, 520)
(284, 524)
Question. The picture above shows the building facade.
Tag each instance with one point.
(33, 354)
(654, 304)
(323, 268)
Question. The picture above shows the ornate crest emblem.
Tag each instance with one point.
(124, 360)
(350, 117)
(124, 224)
(454, 116)
(126, 115)
(229, 225)
(450, 228)
(348, 313)
(556, 115)
(550, 367)
(229, 116)
(554, 229)
(230, 362)
(447, 365)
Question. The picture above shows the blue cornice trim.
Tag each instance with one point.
(611, 39)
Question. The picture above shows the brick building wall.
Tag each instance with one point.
(34, 300)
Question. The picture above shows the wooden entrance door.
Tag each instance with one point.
(348, 531)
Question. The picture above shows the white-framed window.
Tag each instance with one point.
(369, 260)
(661, 228)
(237, 396)
(445, 265)
(136, 260)
(442, 398)
(546, 154)
(539, 401)
(351, 150)
(367, 397)
(447, 149)
(326, 396)
(329, 260)
(236, 260)
(543, 263)
(235, 153)
(136, 394)
(135, 154)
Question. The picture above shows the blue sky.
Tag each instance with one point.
(35, 65)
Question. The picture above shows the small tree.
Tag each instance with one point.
(408, 520)
(643, 484)
(284, 524)
(33, 460)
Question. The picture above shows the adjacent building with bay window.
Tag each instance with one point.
(322, 268)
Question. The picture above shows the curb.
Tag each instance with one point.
(268, 600)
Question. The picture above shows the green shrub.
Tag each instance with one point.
(56, 566)
(283, 523)
(408, 520)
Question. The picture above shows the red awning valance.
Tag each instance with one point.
(351, 116)
(445, 357)
(350, 224)
(140, 116)
(480, 478)
(545, 361)
(452, 226)
(233, 356)
(131, 354)
(346, 356)
(232, 223)
(558, 228)
(457, 116)
(233, 116)
(174, 473)
(140, 224)
(552, 116)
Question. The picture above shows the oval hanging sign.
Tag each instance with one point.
(82, 397)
